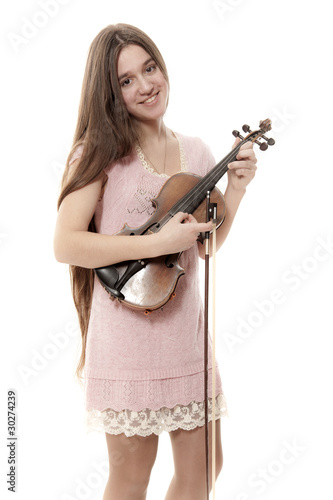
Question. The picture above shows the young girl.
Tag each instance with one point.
(142, 373)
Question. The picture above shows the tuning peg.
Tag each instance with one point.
(235, 133)
(270, 141)
(263, 146)
(246, 129)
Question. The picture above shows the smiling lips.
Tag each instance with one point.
(151, 99)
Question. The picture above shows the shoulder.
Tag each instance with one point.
(191, 141)
(76, 154)
(198, 154)
(78, 151)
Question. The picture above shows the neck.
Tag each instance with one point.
(151, 131)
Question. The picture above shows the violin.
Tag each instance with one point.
(148, 284)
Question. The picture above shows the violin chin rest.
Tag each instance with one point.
(114, 292)
(108, 277)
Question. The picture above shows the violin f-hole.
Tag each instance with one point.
(168, 261)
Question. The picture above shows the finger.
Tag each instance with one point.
(247, 145)
(236, 165)
(244, 154)
(244, 172)
(203, 227)
(181, 216)
(191, 218)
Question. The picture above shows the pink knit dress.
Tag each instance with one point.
(145, 373)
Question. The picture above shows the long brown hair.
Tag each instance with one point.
(106, 132)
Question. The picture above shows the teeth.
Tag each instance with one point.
(151, 99)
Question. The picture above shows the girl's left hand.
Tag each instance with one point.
(242, 171)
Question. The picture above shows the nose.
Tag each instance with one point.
(145, 87)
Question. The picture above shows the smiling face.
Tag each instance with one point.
(144, 89)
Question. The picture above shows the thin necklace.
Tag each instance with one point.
(165, 152)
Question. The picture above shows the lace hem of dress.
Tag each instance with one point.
(151, 169)
(147, 422)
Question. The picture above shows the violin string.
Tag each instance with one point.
(190, 198)
(189, 202)
(184, 205)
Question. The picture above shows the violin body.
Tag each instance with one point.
(154, 280)
(148, 284)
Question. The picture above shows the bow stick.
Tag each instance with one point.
(213, 353)
(211, 213)
(265, 126)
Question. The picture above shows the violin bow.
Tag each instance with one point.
(211, 214)
(213, 356)
(211, 211)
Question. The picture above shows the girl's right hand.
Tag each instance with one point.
(180, 233)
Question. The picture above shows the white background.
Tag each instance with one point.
(230, 62)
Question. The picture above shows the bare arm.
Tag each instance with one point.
(74, 244)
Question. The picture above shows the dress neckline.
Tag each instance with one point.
(147, 166)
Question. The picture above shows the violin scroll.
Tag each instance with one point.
(265, 126)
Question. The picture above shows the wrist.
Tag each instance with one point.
(236, 193)
(155, 245)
